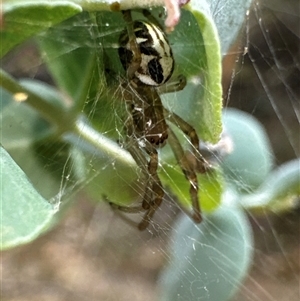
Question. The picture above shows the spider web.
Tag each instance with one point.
(94, 255)
(265, 85)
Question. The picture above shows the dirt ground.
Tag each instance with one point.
(93, 255)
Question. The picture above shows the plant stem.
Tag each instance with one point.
(72, 127)
(106, 146)
(53, 114)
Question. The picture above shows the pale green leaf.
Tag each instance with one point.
(208, 261)
(24, 213)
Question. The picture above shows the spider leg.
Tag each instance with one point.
(148, 169)
(119, 209)
(190, 175)
(173, 85)
(157, 188)
(202, 165)
(156, 191)
(137, 58)
(153, 193)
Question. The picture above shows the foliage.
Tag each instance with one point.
(57, 135)
(58, 140)
(215, 255)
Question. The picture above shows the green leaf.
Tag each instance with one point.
(23, 19)
(47, 157)
(119, 183)
(210, 186)
(196, 49)
(279, 192)
(24, 213)
(72, 55)
(249, 169)
(210, 260)
(22, 130)
(251, 160)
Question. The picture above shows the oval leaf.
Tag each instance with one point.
(279, 192)
(25, 214)
(251, 160)
(209, 260)
(196, 49)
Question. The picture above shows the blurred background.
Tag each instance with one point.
(94, 255)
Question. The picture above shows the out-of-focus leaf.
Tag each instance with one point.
(21, 127)
(279, 192)
(24, 213)
(74, 57)
(252, 158)
(208, 261)
(23, 19)
(229, 17)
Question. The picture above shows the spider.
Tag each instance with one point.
(147, 58)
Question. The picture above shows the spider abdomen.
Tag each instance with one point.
(156, 62)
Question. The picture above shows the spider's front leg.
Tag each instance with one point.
(132, 54)
(176, 85)
(202, 165)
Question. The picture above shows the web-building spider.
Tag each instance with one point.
(146, 55)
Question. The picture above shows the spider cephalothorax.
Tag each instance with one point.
(147, 58)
